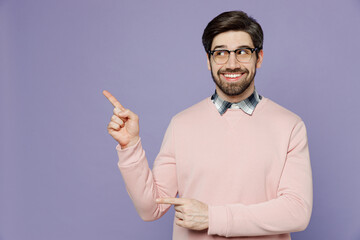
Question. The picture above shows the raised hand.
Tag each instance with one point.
(190, 213)
(124, 124)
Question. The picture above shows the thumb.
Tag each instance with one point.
(128, 114)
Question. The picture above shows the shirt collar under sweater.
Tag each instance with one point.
(247, 105)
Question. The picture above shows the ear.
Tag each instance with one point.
(208, 61)
(260, 59)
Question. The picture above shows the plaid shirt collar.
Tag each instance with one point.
(247, 105)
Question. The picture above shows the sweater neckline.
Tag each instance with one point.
(236, 112)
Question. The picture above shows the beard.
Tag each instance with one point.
(233, 88)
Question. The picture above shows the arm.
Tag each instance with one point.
(289, 212)
(143, 185)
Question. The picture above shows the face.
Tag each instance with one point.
(234, 79)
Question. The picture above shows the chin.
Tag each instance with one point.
(234, 89)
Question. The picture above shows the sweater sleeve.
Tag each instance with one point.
(144, 185)
(290, 211)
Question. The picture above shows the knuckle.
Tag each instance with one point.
(115, 125)
(180, 223)
(116, 111)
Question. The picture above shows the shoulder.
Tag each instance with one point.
(277, 115)
(278, 121)
(274, 109)
(195, 113)
(199, 108)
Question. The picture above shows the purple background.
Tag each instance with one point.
(58, 168)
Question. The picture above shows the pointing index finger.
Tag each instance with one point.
(113, 100)
(173, 201)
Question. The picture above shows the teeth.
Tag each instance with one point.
(232, 75)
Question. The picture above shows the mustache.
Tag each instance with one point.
(234, 70)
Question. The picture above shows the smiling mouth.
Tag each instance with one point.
(232, 77)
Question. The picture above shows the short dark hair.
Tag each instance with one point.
(233, 21)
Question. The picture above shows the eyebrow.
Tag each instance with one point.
(219, 46)
(223, 46)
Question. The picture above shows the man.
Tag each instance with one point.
(238, 161)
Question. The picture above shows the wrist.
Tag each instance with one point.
(132, 142)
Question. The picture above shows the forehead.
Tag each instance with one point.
(232, 39)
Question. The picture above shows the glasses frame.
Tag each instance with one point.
(211, 53)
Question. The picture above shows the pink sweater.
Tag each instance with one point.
(253, 171)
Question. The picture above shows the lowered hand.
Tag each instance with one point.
(189, 213)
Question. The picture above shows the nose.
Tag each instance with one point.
(232, 61)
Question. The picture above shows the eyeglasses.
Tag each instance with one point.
(243, 55)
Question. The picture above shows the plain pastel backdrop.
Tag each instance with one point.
(58, 170)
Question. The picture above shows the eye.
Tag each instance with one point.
(243, 51)
(220, 53)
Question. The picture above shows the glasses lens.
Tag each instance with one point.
(243, 55)
(221, 56)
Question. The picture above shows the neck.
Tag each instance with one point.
(236, 98)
